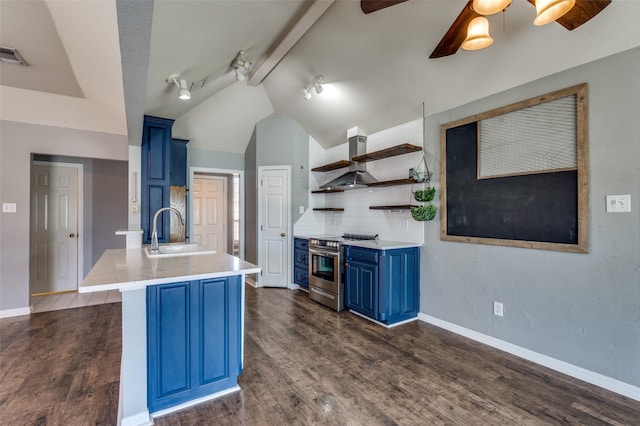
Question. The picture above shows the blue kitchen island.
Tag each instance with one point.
(182, 328)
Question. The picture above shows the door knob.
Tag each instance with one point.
(282, 234)
(72, 235)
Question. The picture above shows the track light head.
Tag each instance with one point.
(241, 66)
(183, 90)
(315, 85)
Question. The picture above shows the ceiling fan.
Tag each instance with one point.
(581, 12)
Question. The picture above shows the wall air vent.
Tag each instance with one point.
(11, 56)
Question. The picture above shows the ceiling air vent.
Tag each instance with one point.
(11, 56)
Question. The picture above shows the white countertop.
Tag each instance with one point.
(381, 244)
(121, 269)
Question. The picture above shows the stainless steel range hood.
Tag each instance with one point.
(357, 176)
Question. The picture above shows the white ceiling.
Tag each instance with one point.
(378, 63)
(74, 77)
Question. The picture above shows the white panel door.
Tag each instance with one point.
(54, 229)
(274, 221)
(210, 212)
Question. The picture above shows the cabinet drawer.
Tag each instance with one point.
(301, 276)
(301, 243)
(362, 255)
(301, 257)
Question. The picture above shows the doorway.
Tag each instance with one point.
(56, 236)
(215, 215)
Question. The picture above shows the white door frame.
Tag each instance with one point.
(80, 212)
(206, 170)
(288, 239)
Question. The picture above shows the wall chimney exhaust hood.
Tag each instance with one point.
(357, 176)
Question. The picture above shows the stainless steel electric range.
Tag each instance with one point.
(326, 268)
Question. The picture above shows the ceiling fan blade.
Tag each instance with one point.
(580, 13)
(456, 34)
(369, 6)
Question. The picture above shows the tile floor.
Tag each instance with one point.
(55, 302)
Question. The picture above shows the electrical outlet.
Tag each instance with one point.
(618, 203)
(498, 309)
(134, 206)
(301, 209)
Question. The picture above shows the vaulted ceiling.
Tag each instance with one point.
(377, 65)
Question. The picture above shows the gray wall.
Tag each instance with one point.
(110, 205)
(276, 141)
(282, 142)
(583, 309)
(214, 159)
(251, 201)
(17, 142)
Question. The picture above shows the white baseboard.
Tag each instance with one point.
(140, 419)
(191, 403)
(293, 286)
(7, 313)
(580, 373)
(395, 324)
(251, 282)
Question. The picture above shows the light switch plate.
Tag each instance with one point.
(301, 210)
(618, 203)
(8, 207)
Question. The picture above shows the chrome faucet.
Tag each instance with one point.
(154, 233)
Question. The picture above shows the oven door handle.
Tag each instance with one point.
(324, 253)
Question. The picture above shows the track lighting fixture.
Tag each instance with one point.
(241, 66)
(183, 91)
(315, 85)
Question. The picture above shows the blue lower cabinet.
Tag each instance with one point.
(383, 284)
(362, 288)
(194, 340)
(301, 262)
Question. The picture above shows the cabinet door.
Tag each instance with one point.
(362, 288)
(194, 345)
(399, 285)
(169, 344)
(155, 175)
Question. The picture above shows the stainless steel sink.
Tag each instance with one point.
(173, 250)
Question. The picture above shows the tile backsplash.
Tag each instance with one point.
(357, 217)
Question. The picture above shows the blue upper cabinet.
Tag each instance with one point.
(383, 284)
(155, 175)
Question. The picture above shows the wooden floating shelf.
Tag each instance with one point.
(399, 207)
(326, 191)
(328, 209)
(405, 181)
(333, 166)
(404, 148)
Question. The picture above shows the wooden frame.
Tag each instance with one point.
(582, 245)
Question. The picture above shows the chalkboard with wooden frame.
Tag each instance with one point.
(541, 209)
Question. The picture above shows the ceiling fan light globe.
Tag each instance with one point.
(477, 34)
(318, 88)
(307, 94)
(489, 7)
(550, 10)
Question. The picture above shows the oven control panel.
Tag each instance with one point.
(314, 242)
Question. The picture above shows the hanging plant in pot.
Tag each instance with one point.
(428, 211)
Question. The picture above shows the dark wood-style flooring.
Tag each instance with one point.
(304, 364)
